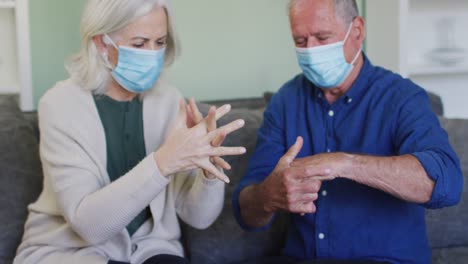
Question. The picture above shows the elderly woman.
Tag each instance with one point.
(123, 156)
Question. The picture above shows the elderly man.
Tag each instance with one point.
(351, 151)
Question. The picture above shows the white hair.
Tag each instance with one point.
(346, 10)
(106, 17)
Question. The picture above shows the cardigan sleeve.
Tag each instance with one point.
(199, 200)
(94, 210)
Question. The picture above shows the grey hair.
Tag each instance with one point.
(88, 67)
(346, 10)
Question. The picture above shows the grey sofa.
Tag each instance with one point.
(224, 241)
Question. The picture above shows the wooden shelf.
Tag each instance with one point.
(9, 89)
(7, 4)
(437, 69)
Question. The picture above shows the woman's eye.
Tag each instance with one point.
(161, 42)
(139, 45)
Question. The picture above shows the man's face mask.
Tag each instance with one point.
(326, 66)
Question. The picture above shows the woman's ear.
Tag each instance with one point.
(100, 45)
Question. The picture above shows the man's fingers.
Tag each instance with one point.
(293, 150)
(301, 197)
(306, 173)
(302, 208)
(197, 116)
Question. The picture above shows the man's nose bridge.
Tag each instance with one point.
(312, 42)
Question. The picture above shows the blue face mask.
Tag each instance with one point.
(326, 66)
(137, 70)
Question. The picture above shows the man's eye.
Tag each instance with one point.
(322, 38)
(300, 42)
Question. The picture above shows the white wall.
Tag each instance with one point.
(453, 90)
(233, 49)
(402, 32)
(8, 61)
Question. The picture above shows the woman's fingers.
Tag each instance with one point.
(219, 139)
(226, 129)
(190, 118)
(226, 151)
(182, 115)
(222, 111)
(210, 168)
(221, 163)
(197, 116)
(211, 119)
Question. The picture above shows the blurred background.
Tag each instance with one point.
(243, 48)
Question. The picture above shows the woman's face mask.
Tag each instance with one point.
(137, 70)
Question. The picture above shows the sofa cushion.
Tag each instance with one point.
(225, 241)
(450, 255)
(20, 174)
(448, 227)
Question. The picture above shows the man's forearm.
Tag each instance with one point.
(252, 207)
(400, 176)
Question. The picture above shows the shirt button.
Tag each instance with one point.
(321, 236)
(328, 150)
(350, 100)
(324, 193)
(134, 248)
(331, 113)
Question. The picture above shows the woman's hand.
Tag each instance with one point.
(189, 148)
(194, 117)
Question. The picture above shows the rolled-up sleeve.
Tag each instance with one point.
(420, 134)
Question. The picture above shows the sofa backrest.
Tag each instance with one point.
(224, 241)
(20, 174)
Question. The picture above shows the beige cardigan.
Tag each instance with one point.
(80, 217)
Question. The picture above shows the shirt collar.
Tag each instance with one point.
(359, 86)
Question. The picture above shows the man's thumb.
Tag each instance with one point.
(294, 150)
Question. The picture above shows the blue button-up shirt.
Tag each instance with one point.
(383, 115)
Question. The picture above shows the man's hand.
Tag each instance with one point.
(293, 189)
(335, 164)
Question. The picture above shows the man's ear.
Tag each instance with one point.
(360, 25)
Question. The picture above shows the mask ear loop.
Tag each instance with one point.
(347, 33)
(346, 38)
(107, 40)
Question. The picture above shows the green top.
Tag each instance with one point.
(123, 126)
